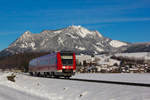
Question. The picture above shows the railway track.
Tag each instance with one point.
(107, 82)
(110, 82)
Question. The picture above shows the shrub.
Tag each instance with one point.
(11, 77)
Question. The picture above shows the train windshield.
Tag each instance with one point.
(67, 58)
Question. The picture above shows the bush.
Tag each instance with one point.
(11, 77)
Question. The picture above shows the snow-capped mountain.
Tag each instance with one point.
(117, 44)
(76, 38)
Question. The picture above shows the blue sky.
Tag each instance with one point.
(125, 20)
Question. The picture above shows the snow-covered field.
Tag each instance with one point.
(38, 88)
(104, 59)
(144, 55)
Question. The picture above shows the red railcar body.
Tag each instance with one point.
(56, 64)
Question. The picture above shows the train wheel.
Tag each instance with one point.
(52, 74)
(45, 74)
(67, 77)
(35, 74)
(56, 76)
(38, 74)
(31, 73)
(48, 74)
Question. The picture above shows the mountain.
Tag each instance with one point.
(138, 47)
(75, 38)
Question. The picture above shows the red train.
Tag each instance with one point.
(55, 65)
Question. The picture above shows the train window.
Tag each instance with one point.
(33, 63)
(53, 60)
(67, 58)
(67, 61)
(43, 62)
(50, 61)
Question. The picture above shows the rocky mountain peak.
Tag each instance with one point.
(74, 30)
(75, 26)
(81, 31)
(75, 38)
(27, 33)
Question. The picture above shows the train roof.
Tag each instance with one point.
(66, 51)
(53, 53)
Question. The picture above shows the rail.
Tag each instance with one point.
(110, 82)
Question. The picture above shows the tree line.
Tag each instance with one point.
(19, 61)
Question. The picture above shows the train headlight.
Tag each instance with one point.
(63, 67)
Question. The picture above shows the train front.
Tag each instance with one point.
(66, 63)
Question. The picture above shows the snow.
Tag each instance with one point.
(83, 32)
(75, 26)
(58, 31)
(99, 34)
(116, 43)
(26, 45)
(143, 55)
(23, 46)
(106, 60)
(32, 44)
(99, 43)
(83, 57)
(25, 35)
(98, 49)
(60, 41)
(72, 36)
(81, 48)
(37, 88)
(121, 77)
(13, 94)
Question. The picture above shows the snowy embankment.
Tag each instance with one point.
(29, 87)
(121, 77)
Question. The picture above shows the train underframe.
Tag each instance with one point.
(66, 73)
